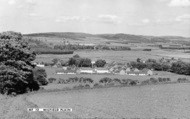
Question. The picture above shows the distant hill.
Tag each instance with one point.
(117, 37)
(70, 35)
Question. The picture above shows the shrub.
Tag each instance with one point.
(126, 81)
(153, 80)
(100, 63)
(89, 80)
(105, 80)
(73, 80)
(61, 81)
(97, 85)
(40, 75)
(133, 83)
(87, 86)
(80, 86)
(145, 82)
(117, 80)
(160, 79)
(51, 80)
(182, 80)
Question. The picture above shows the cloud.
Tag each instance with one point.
(33, 14)
(183, 18)
(113, 19)
(30, 1)
(145, 21)
(12, 2)
(179, 3)
(71, 18)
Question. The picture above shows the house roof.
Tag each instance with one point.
(101, 69)
(86, 68)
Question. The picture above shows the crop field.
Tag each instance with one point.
(119, 56)
(169, 101)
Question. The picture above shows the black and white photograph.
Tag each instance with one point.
(94, 59)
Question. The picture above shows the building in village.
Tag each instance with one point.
(101, 70)
(40, 65)
(122, 72)
(85, 71)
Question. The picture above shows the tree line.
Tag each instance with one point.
(178, 67)
(87, 47)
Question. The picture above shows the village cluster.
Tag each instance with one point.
(113, 69)
(106, 70)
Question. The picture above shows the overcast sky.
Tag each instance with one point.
(144, 17)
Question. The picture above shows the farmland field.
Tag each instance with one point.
(171, 101)
(118, 56)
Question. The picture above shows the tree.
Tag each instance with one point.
(55, 60)
(76, 56)
(85, 62)
(40, 76)
(138, 60)
(100, 63)
(15, 64)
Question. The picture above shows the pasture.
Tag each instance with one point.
(152, 101)
(119, 56)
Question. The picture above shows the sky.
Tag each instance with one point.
(142, 17)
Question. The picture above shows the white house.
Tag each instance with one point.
(122, 72)
(64, 68)
(102, 70)
(136, 70)
(40, 65)
(60, 73)
(149, 72)
(86, 70)
(128, 69)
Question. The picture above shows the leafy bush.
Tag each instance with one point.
(40, 75)
(182, 80)
(105, 80)
(100, 63)
(153, 80)
(87, 86)
(97, 85)
(133, 82)
(51, 80)
(161, 80)
(117, 80)
(80, 62)
(80, 86)
(61, 81)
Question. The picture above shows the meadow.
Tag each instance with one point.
(152, 101)
(119, 56)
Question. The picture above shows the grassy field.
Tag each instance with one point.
(169, 101)
(119, 56)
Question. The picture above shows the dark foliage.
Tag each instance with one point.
(80, 62)
(100, 63)
(177, 67)
(16, 74)
(51, 80)
(180, 80)
(40, 76)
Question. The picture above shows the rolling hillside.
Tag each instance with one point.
(117, 37)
